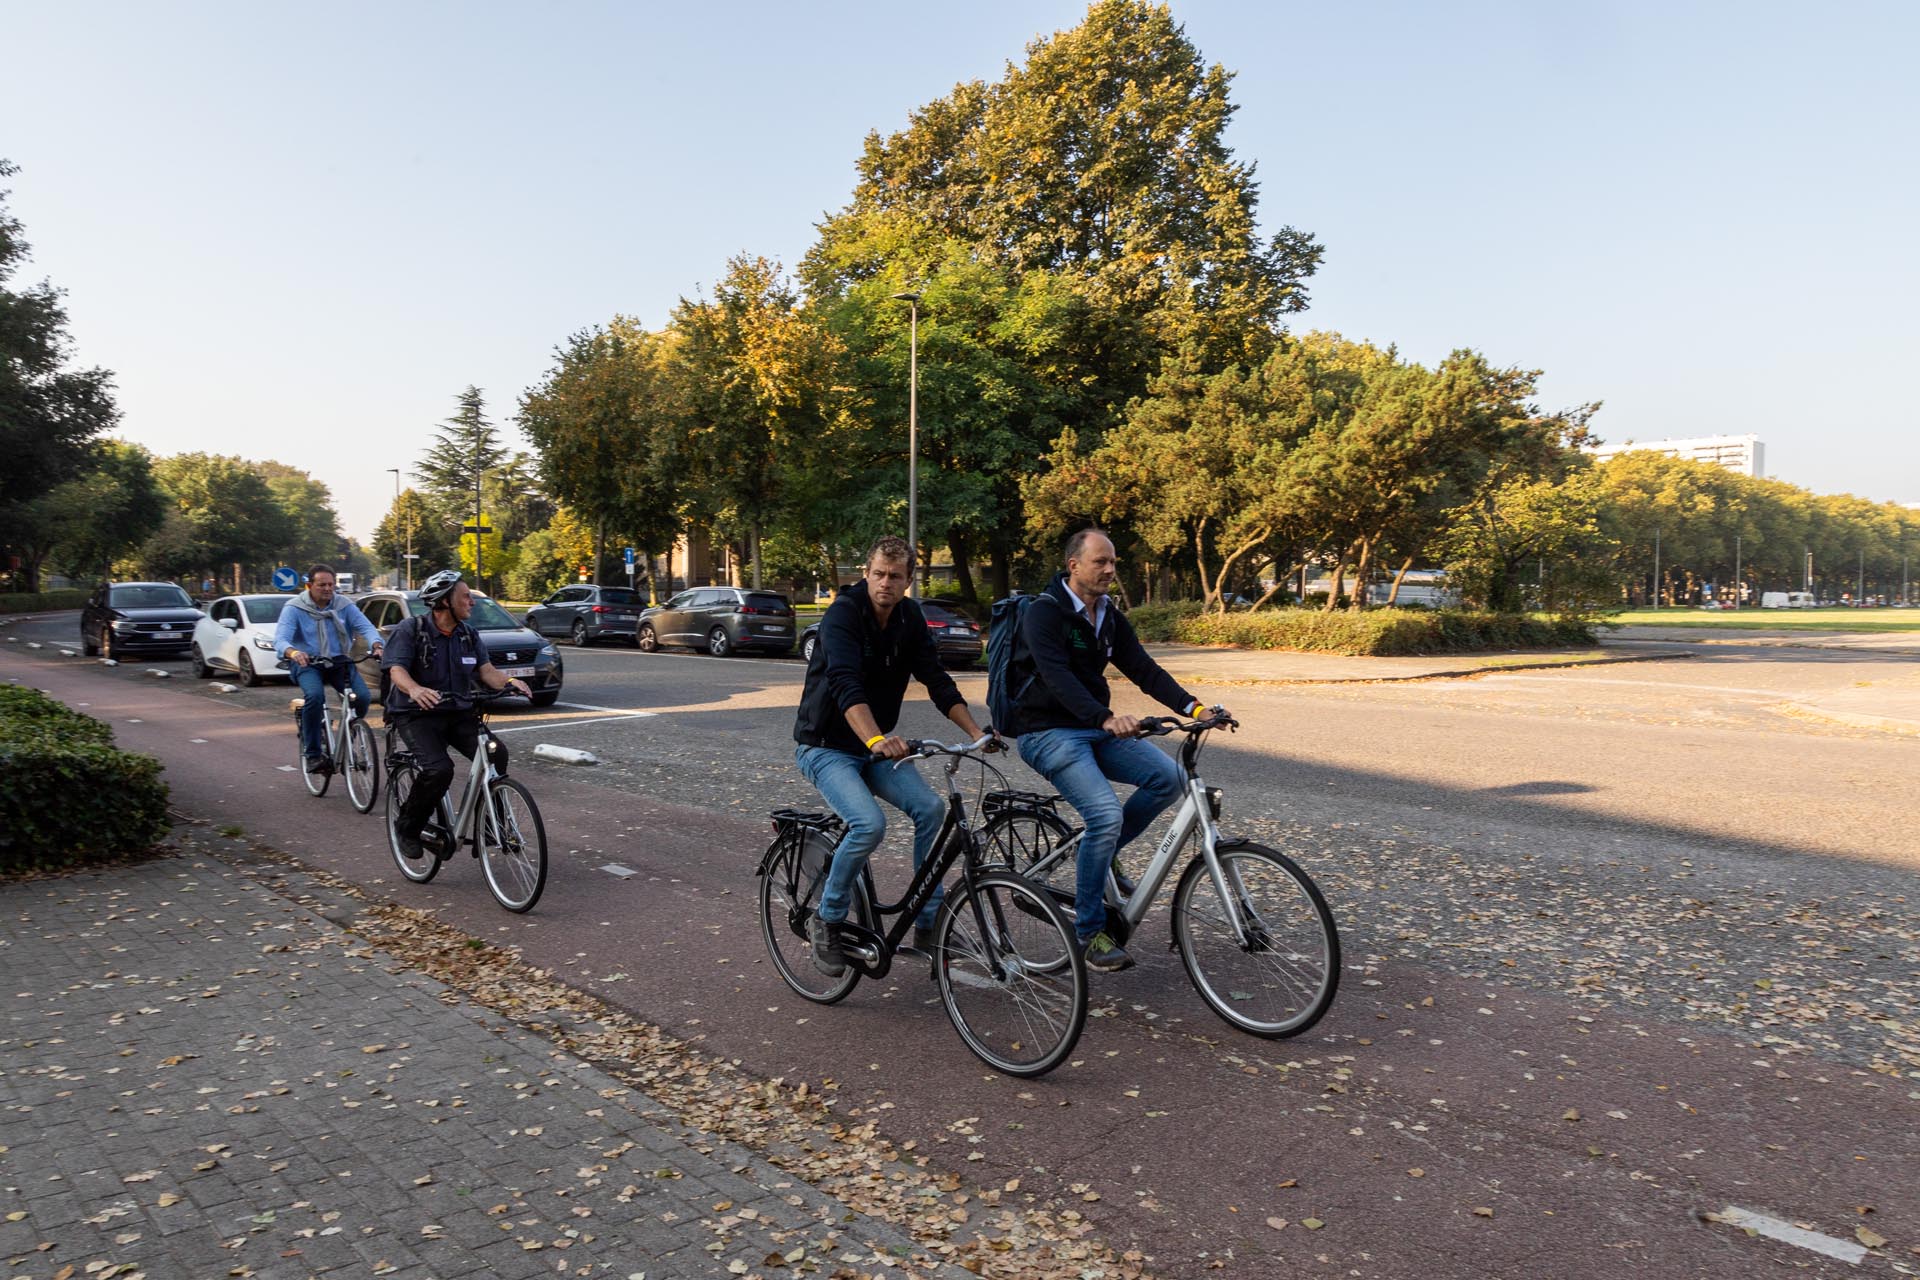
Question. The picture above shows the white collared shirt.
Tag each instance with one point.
(1096, 616)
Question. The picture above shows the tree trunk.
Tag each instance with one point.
(962, 568)
(1333, 588)
(1360, 570)
(754, 535)
(1393, 592)
(1002, 569)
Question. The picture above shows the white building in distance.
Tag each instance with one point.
(1743, 454)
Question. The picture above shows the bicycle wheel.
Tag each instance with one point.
(1024, 841)
(1283, 978)
(513, 846)
(1010, 977)
(317, 780)
(400, 784)
(362, 765)
(789, 891)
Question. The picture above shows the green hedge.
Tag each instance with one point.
(1371, 633)
(39, 601)
(67, 795)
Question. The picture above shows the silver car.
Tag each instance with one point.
(721, 620)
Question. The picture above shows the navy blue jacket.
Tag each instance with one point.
(857, 660)
(1059, 671)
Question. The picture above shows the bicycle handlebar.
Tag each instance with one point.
(927, 748)
(1160, 726)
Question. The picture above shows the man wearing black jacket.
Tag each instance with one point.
(1070, 736)
(871, 641)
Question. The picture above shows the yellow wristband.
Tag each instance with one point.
(878, 737)
(1194, 710)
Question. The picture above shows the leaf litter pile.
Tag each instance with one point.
(994, 1231)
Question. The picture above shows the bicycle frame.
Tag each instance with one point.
(1196, 815)
(463, 824)
(334, 716)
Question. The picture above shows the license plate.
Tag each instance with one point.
(769, 627)
(523, 673)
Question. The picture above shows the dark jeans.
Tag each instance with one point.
(428, 734)
(313, 682)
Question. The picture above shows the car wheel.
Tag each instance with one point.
(545, 699)
(199, 661)
(580, 633)
(719, 644)
(248, 676)
(807, 647)
(646, 641)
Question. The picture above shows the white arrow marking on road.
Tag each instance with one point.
(286, 768)
(1775, 1229)
(568, 724)
(197, 740)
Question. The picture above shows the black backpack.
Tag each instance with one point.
(1003, 645)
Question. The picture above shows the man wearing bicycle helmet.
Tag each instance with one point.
(432, 664)
(873, 639)
(1070, 735)
(317, 624)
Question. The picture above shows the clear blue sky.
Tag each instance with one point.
(296, 231)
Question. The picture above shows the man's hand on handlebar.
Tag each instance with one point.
(516, 683)
(296, 657)
(424, 698)
(892, 748)
(1122, 726)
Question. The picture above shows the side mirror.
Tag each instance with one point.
(230, 624)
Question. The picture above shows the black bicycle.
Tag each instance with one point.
(1011, 977)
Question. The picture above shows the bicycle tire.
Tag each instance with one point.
(317, 783)
(1286, 981)
(788, 893)
(400, 783)
(513, 845)
(362, 765)
(1018, 839)
(1019, 1017)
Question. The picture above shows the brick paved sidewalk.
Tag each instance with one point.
(200, 1078)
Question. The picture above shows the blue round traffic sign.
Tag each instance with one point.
(285, 579)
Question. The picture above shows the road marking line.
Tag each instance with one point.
(568, 724)
(615, 869)
(1776, 1229)
(1549, 677)
(286, 768)
(588, 706)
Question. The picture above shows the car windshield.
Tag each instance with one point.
(619, 595)
(486, 616)
(266, 608)
(935, 613)
(158, 595)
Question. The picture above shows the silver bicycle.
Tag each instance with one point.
(1253, 930)
(351, 752)
(496, 818)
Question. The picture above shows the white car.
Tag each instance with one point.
(237, 635)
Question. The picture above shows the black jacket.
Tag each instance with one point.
(1059, 670)
(857, 660)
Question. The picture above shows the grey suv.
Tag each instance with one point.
(720, 620)
(584, 614)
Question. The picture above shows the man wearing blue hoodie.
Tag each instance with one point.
(319, 624)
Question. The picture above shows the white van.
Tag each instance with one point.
(1773, 600)
(1800, 600)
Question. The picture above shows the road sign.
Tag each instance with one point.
(476, 528)
(285, 579)
(629, 559)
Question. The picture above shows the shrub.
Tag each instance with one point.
(67, 794)
(1157, 623)
(43, 601)
(1373, 632)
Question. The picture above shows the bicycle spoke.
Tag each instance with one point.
(1277, 974)
(1013, 986)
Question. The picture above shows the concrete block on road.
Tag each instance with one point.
(563, 755)
(222, 686)
(158, 674)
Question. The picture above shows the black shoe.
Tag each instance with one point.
(1104, 955)
(828, 958)
(1124, 881)
(410, 848)
(923, 938)
(316, 764)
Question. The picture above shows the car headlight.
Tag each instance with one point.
(124, 627)
(262, 642)
(548, 651)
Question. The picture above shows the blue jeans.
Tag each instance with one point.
(849, 784)
(313, 737)
(1079, 762)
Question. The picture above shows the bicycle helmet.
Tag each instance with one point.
(435, 590)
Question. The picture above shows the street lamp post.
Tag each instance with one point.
(398, 563)
(913, 432)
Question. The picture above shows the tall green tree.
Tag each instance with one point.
(313, 527)
(412, 526)
(50, 414)
(106, 513)
(465, 448)
(605, 420)
(226, 513)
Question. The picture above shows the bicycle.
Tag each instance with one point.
(1253, 930)
(1011, 979)
(496, 818)
(350, 747)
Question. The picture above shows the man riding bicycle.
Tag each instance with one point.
(319, 624)
(432, 664)
(871, 640)
(1069, 734)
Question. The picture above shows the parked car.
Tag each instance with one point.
(584, 614)
(720, 620)
(124, 618)
(237, 636)
(954, 634)
(511, 647)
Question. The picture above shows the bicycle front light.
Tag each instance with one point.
(1214, 795)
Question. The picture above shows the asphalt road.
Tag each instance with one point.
(1624, 948)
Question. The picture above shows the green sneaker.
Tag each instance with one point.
(1105, 955)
